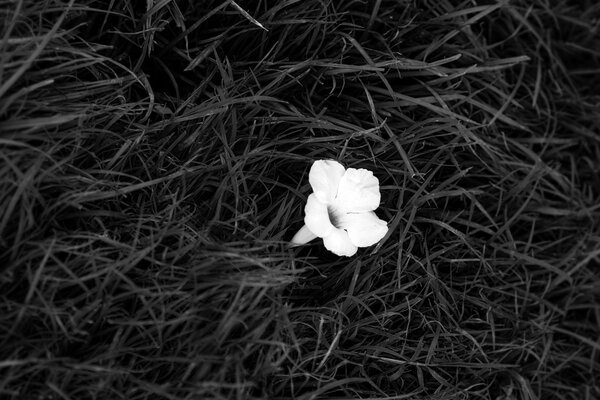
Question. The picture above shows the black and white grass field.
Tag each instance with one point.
(154, 160)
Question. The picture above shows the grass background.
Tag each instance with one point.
(153, 164)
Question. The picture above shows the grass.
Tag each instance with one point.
(154, 160)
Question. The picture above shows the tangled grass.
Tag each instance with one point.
(154, 160)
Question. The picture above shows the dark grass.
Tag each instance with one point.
(154, 163)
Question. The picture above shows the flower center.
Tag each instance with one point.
(334, 216)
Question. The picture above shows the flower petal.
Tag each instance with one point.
(358, 191)
(364, 229)
(316, 217)
(324, 177)
(303, 236)
(339, 243)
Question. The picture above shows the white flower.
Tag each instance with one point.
(341, 209)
